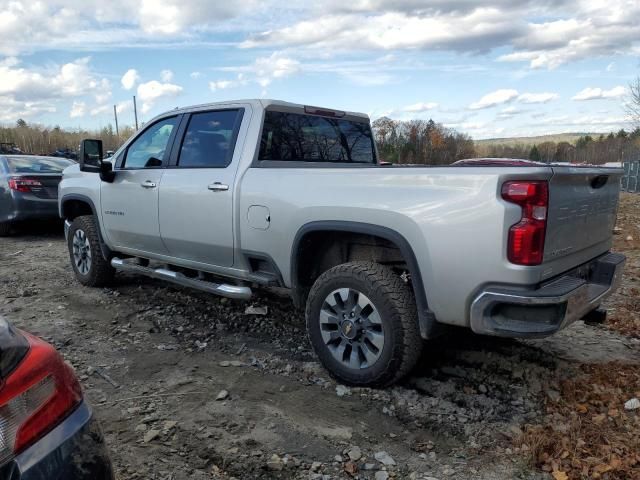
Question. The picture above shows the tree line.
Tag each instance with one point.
(403, 142)
(420, 142)
(594, 150)
(42, 140)
(430, 143)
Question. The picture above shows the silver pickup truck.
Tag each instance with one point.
(228, 197)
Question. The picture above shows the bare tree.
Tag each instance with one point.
(633, 102)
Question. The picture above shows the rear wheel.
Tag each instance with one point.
(5, 229)
(362, 322)
(90, 267)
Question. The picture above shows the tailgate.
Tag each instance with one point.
(583, 203)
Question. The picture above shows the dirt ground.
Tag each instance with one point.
(186, 385)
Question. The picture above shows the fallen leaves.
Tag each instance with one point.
(559, 475)
(624, 305)
(587, 433)
(592, 427)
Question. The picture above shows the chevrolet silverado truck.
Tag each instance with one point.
(230, 197)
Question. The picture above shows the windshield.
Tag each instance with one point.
(37, 165)
(309, 138)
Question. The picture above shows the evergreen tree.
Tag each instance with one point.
(534, 154)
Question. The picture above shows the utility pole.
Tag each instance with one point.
(115, 114)
(135, 111)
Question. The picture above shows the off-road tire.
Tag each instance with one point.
(5, 229)
(100, 272)
(395, 302)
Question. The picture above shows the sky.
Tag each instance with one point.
(494, 68)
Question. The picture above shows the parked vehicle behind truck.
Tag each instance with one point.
(47, 428)
(225, 197)
(28, 189)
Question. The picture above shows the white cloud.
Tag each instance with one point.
(11, 109)
(150, 92)
(552, 34)
(166, 75)
(578, 29)
(130, 79)
(545, 34)
(509, 112)
(262, 71)
(494, 98)
(466, 125)
(590, 93)
(68, 80)
(123, 106)
(373, 79)
(103, 93)
(474, 31)
(586, 122)
(266, 69)
(195, 75)
(169, 17)
(78, 109)
(505, 95)
(420, 107)
(589, 29)
(101, 109)
(87, 24)
(221, 85)
(537, 97)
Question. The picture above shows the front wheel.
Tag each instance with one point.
(90, 267)
(362, 323)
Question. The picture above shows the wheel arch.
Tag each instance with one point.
(74, 205)
(428, 324)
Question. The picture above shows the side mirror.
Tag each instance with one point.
(90, 157)
(91, 160)
(106, 172)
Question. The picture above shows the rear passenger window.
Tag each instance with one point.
(210, 139)
(308, 138)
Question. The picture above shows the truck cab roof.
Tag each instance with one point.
(265, 103)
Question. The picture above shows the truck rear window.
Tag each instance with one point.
(37, 164)
(308, 138)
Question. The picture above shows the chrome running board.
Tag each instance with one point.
(231, 291)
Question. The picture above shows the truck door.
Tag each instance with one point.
(130, 203)
(196, 196)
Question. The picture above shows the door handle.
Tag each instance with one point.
(218, 187)
(148, 184)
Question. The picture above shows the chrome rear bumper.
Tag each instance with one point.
(543, 311)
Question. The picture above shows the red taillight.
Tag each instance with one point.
(24, 185)
(526, 238)
(35, 398)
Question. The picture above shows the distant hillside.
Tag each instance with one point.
(557, 138)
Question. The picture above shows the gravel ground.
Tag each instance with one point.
(187, 385)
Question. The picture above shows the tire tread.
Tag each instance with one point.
(389, 286)
(101, 273)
